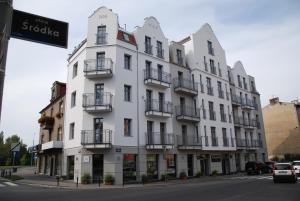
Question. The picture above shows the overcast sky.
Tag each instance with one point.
(264, 35)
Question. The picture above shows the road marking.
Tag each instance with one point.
(10, 183)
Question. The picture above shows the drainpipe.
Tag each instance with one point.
(138, 116)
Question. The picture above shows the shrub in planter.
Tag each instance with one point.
(182, 175)
(109, 179)
(214, 173)
(86, 178)
(199, 174)
(144, 178)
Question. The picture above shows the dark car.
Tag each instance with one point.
(253, 167)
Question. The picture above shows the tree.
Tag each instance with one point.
(24, 159)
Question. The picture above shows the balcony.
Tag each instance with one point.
(247, 104)
(158, 140)
(189, 142)
(249, 123)
(248, 144)
(99, 103)
(214, 141)
(93, 139)
(241, 143)
(46, 122)
(238, 121)
(157, 108)
(148, 48)
(101, 68)
(185, 113)
(210, 90)
(101, 38)
(154, 77)
(160, 53)
(185, 86)
(236, 100)
(52, 145)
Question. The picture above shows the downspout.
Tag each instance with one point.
(138, 116)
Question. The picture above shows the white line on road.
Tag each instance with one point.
(10, 183)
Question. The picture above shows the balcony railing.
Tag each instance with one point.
(157, 77)
(241, 142)
(249, 123)
(221, 93)
(158, 108)
(96, 138)
(160, 53)
(214, 141)
(158, 140)
(236, 99)
(97, 102)
(246, 143)
(46, 122)
(187, 113)
(101, 38)
(225, 141)
(189, 142)
(238, 121)
(94, 68)
(185, 86)
(247, 103)
(148, 48)
(210, 90)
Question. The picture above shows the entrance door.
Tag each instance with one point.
(70, 163)
(190, 165)
(97, 167)
(100, 61)
(99, 94)
(98, 129)
(204, 166)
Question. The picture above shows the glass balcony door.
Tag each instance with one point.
(99, 94)
(100, 61)
(98, 129)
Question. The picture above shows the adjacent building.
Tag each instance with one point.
(282, 126)
(137, 104)
(50, 149)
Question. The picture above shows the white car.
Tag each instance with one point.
(284, 172)
(296, 165)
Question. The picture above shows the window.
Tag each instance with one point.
(212, 66)
(126, 36)
(127, 93)
(253, 89)
(75, 69)
(222, 113)
(101, 35)
(214, 139)
(127, 127)
(52, 93)
(225, 139)
(245, 83)
(72, 130)
(212, 115)
(205, 136)
(73, 99)
(148, 46)
(59, 134)
(61, 107)
(160, 52)
(239, 81)
(179, 57)
(210, 48)
(221, 92)
(205, 63)
(220, 70)
(127, 61)
(209, 87)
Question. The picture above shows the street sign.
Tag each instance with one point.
(39, 29)
(15, 147)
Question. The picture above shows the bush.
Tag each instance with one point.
(24, 159)
(199, 174)
(8, 162)
(86, 178)
(109, 179)
(144, 178)
(214, 173)
(182, 175)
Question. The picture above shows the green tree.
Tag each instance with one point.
(24, 159)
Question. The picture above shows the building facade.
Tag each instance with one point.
(138, 104)
(50, 151)
(282, 125)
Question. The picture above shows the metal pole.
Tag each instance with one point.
(6, 11)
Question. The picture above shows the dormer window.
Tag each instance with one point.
(101, 35)
(126, 36)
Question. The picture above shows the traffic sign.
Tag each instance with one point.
(15, 147)
(39, 29)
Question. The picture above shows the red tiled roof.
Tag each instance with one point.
(131, 37)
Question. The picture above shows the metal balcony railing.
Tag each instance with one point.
(158, 138)
(185, 83)
(247, 103)
(148, 48)
(238, 121)
(160, 53)
(236, 99)
(157, 75)
(182, 110)
(94, 137)
(92, 99)
(214, 141)
(189, 140)
(158, 106)
(101, 38)
(98, 65)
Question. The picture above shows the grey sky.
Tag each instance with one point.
(263, 34)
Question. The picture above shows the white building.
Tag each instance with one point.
(130, 111)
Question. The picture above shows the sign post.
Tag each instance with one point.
(14, 148)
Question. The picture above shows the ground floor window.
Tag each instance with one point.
(152, 166)
(171, 165)
(129, 168)
(70, 163)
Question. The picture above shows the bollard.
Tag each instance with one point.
(77, 182)
(57, 180)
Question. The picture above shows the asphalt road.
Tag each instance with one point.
(239, 189)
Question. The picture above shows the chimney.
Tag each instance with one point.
(274, 100)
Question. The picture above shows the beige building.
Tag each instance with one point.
(51, 132)
(281, 122)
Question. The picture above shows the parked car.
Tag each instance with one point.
(284, 172)
(270, 166)
(253, 167)
(296, 165)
